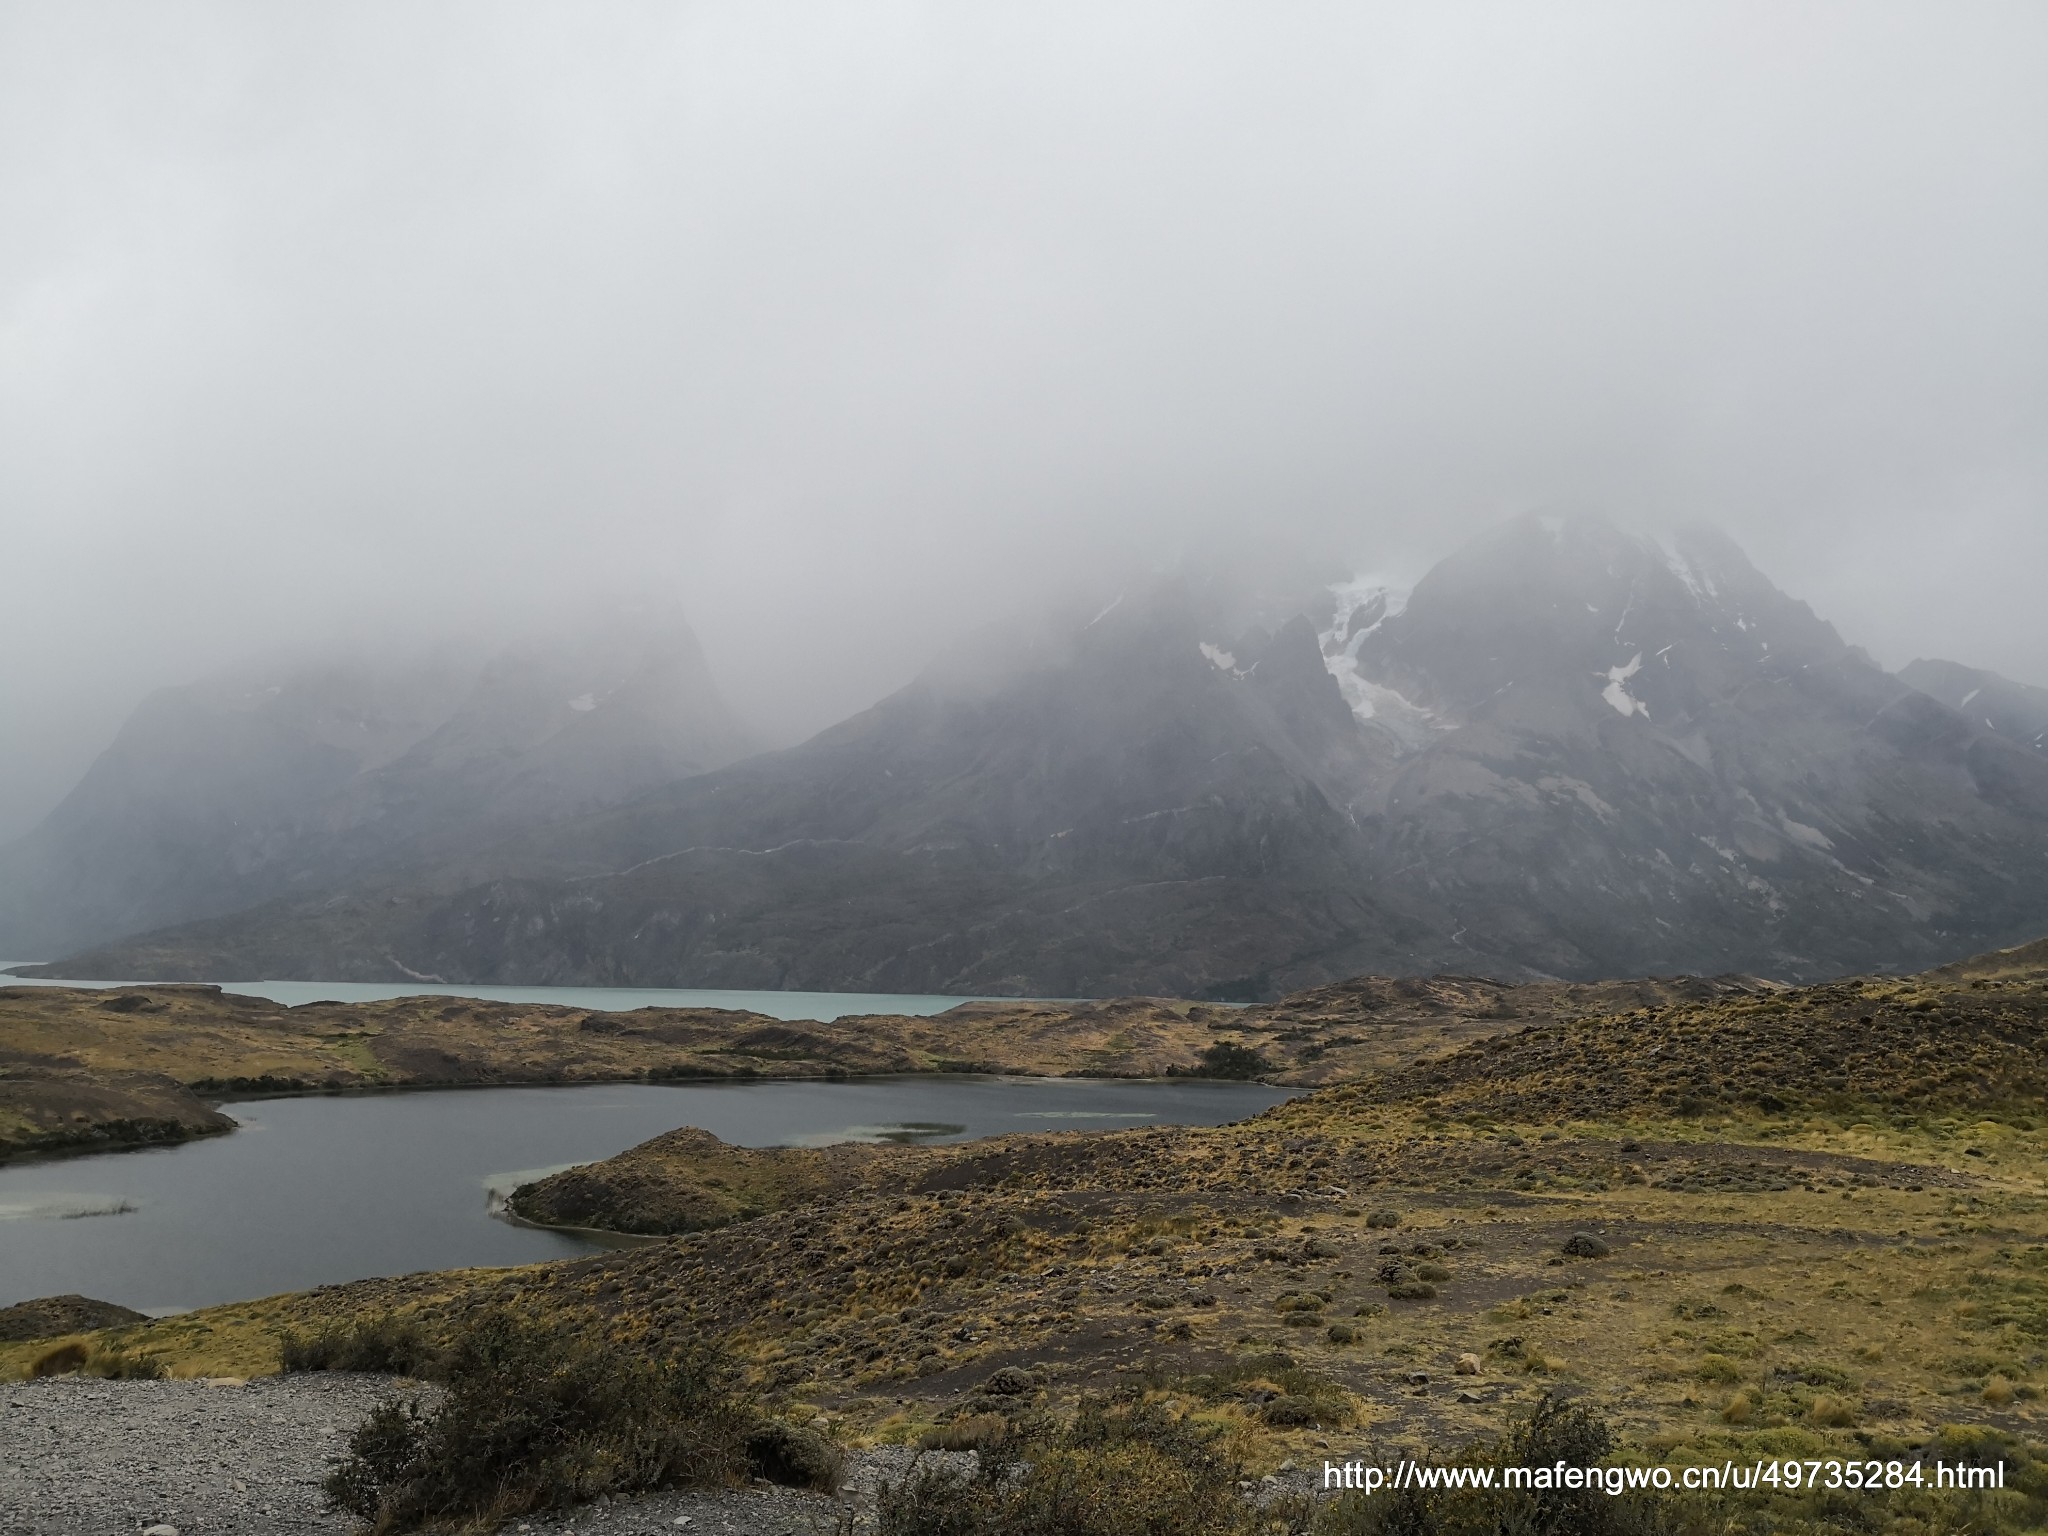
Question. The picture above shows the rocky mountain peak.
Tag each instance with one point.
(1571, 621)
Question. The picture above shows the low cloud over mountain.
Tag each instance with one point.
(264, 783)
(1567, 751)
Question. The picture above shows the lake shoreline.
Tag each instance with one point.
(97, 1141)
(327, 1189)
(90, 1069)
(84, 1070)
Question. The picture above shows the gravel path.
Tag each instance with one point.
(82, 1457)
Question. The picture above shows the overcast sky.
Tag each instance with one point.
(848, 323)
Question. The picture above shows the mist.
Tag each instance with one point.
(844, 329)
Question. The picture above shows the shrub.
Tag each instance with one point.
(1226, 1058)
(534, 1417)
(1384, 1219)
(1110, 1471)
(383, 1344)
(793, 1457)
(1555, 1432)
(1289, 1412)
(1584, 1245)
(121, 1365)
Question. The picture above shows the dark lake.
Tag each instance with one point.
(312, 1190)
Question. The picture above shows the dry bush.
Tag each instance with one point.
(794, 1457)
(535, 1417)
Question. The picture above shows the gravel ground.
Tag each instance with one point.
(82, 1457)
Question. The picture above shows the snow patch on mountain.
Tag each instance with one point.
(1804, 835)
(1696, 579)
(1220, 659)
(1358, 608)
(1616, 692)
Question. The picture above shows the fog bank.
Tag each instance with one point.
(846, 327)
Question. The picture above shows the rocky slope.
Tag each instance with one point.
(2003, 707)
(1652, 760)
(1568, 752)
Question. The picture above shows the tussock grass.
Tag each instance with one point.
(1113, 1469)
(383, 1343)
(1276, 1386)
(90, 1358)
(60, 1359)
(970, 1432)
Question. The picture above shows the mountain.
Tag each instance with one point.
(1651, 759)
(2003, 707)
(299, 778)
(1112, 808)
(1567, 752)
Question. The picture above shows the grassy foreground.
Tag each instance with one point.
(1747, 1223)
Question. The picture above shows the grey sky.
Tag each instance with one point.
(849, 323)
